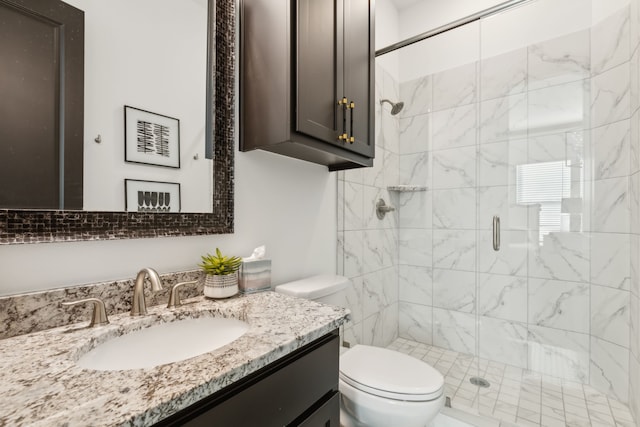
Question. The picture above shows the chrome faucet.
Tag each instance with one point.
(138, 305)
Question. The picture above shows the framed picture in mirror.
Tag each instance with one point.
(150, 138)
(151, 196)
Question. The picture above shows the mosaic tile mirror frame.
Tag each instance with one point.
(38, 226)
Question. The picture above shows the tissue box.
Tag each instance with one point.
(255, 276)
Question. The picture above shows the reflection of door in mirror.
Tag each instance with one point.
(41, 104)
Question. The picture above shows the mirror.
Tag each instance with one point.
(150, 55)
(157, 64)
(216, 112)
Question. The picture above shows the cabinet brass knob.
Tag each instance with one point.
(352, 140)
(342, 137)
(352, 105)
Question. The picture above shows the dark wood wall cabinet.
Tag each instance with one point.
(300, 389)
(307, 80)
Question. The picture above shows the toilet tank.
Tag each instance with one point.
(325, 288)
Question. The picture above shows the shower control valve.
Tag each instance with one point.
(382, 209)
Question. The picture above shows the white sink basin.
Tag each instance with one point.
(163, 343)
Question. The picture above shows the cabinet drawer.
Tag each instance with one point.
(274, 396)
(328, 415)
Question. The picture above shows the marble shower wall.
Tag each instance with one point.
(634, 186)
(485, 137)
(367, 246)
(611, 213)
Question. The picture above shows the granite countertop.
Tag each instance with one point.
(42, 386)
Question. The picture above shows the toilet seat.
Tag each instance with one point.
(390, 374)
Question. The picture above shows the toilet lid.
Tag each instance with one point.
(388, 373)
(314, 287)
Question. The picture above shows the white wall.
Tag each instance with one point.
(443, 52)
(523, 24)
(387, 29)
(485, 38)
(426, 15)
(287, 204)
(602, 9)
(387, 33)
(429, 14)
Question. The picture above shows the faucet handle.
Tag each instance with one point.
(174, 294)
(99, 316)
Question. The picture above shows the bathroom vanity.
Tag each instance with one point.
(282, 371)
(299, 389)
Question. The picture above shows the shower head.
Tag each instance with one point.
(396, 107)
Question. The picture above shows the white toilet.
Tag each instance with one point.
(378, 387)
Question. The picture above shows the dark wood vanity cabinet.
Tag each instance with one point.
(300, 389)
(307, 80)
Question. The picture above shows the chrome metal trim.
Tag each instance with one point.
(496, 233)
(382, 209)
(450, 26)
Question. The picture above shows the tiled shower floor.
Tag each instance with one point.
(517, 395)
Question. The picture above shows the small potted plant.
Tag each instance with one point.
(221, 275)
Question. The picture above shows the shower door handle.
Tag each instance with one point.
(496, 233)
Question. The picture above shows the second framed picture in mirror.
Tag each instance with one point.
(151, 196)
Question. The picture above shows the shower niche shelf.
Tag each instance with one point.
(307, 80)
(407, 188)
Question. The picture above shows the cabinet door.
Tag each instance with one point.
(319, 64)
(359, 72)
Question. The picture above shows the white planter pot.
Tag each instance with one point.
(221, 286)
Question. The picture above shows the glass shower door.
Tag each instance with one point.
(437, 223)
(534, 192)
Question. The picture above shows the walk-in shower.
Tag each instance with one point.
(536, 124)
